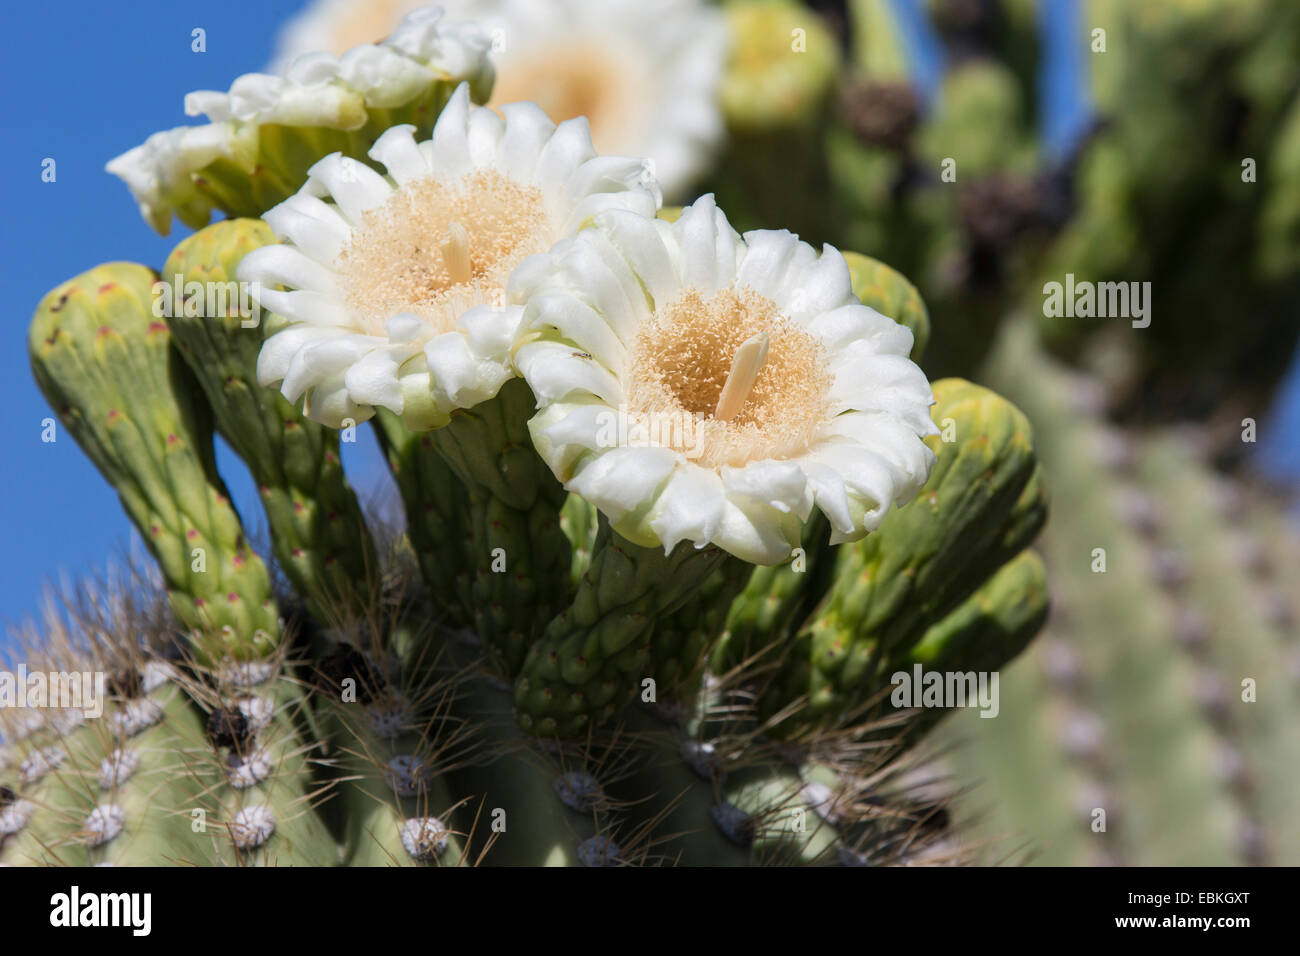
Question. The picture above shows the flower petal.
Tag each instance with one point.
(690, 507)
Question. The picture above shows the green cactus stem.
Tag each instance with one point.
(519, 558)
(593, 657)
(110, 789)
(437, 515)
(107, 366)
(318, 534)
(1107, 707)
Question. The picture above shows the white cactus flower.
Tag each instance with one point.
(696, 385)
(396, 285)
(646, 73)
(189, 170)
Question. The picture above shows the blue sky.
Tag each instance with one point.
(83, 90)
(88, 81)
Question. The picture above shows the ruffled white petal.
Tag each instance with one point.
(355, 187)
(315, 90)
(528, 129)
(285, 265)
(556, 371)
(373, 378)
(313, 226)
(690, 508)
(580, 324)
(641, 241)
(563, 154)
(449, 146)
(278, 351)
(707, 247)
(397, 150)
(619, 481)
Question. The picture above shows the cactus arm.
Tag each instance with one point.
(107, 367)
(679, 799)
(1259, 750)
(1027, 800)
(148, 786)
(781, 828)
(1164, 801)
(288, 790)
(375, 813)
(156, 798)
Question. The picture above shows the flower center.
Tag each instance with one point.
(744, 381)
(437, 248)
(596, 77)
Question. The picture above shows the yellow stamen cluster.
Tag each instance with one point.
(682, 359)
(437, 248)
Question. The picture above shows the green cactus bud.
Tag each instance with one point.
(317, 531)
(985, 632)
(925, 558)
(782, 66)
(580, 521)
(269, 130)
(105, 364)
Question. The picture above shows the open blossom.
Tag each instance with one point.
(263, 127)
(395, 285)
(646, 73)
(795, 394)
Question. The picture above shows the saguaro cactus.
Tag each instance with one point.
(615, 651)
